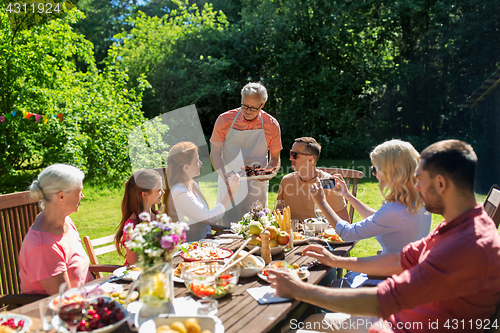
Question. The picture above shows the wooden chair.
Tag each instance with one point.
(93, 252)
(348, 174)
(17, 214)
(491, 204)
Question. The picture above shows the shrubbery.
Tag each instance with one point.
(38, 75)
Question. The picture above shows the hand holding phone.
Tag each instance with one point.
(327, 183)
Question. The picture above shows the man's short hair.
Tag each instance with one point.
(312, 146)
(254, 88)
(451, 158)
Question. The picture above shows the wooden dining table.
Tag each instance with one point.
(239, 311)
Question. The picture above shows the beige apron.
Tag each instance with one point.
(242, 148)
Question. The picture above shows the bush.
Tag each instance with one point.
(38, 75)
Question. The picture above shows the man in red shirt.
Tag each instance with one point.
(245, 136)
(447, 281)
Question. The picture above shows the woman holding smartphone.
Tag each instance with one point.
(402, 218)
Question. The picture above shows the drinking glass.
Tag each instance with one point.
(309, 231)
(207, 306)
(279, 205)
(46, 314)
(318, 212)
(73, 306)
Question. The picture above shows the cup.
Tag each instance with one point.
(295, 224)
(207, 306)
(279, 205)
(308, 231)
(46, 314)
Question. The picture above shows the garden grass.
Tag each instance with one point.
(100, 211)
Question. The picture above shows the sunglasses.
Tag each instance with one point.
(374, 170)
(249, 108)
(293, 154)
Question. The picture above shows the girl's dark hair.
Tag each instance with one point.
(143, 180)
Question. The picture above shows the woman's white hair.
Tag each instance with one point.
(254, 88)
(54, 179)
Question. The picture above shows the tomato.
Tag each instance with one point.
(207, 291)
(201, 291)
(225, 277)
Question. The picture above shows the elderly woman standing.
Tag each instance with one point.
(52, 252)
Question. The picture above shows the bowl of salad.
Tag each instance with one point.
(200, 280)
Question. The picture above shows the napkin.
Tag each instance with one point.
(266, 295)
(230, 236)
(225, 241)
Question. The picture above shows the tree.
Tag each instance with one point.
(98, 108)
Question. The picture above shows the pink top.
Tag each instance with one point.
(271, 128)
(451, 277)
(44, 255)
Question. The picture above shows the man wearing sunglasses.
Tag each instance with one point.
(244, 136)
(295, 187)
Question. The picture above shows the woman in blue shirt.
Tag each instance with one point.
(402, 218)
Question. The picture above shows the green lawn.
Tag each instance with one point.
(100, 212)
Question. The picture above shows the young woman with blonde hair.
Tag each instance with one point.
(402, 218)
(185, 202)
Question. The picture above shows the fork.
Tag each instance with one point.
(329, 246)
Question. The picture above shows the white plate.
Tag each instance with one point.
(211, 323)
(130, 276)
(322, 240)
(178, 279)
(57, 323)
(17, 317)
(302, 241)
(263, 277)
(214, 242)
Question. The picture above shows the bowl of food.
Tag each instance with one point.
(175, 323)
(251, 265)
(318, 225)
(103, 315)
(206, 253)
(200, 280)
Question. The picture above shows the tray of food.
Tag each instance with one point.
(254, 171)
(206, 253)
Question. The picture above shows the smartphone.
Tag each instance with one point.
(327, 183)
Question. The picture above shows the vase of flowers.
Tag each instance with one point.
(257, 213)
(155, 242)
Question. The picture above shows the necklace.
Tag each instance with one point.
(305, 181)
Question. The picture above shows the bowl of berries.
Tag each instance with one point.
(16, 322)
(102, 316)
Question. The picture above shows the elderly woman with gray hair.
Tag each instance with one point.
(52, 252)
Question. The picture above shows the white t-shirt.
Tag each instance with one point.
(193, 210)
